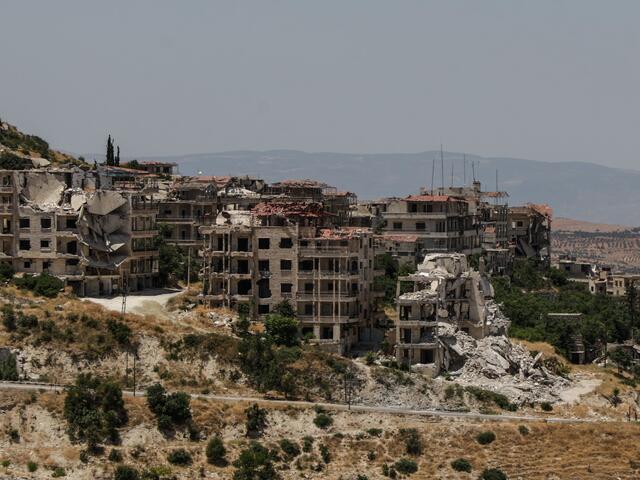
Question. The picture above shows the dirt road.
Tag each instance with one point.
(147, 302)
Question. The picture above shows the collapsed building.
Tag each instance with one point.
(530, 232)
(444, 290)
(284, 251)
(59, 221)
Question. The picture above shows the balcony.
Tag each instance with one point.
(328, 274)
(145, 233)
(329, 296)
(6, 208)
(330, 319)
(327, 252)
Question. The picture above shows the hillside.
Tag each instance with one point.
(562, 224)
(18, 150)
(574, 189)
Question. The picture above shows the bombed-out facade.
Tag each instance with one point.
(282, 251)
(444, 292)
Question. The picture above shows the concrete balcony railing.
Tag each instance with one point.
(328, 296)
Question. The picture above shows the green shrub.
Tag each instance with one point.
(325, 453)
(9, 318)
(32, 466)
(282, 330)
(6, 271)
(44, 284)
(125, 472)
(171, 409)
(119, 331)
(493, 474)
(256, 420)
(216, 451)
(94, 410)
(374, 432)
(59, 472)
(524, 431)
(485, 438)
(8, 367)
(307, 444)
(322, 420)
(115, 455)
(5, 463)
(406, 466)
(179, 457)
(291, 449)
(412, 440)
(461, 465)
(255, 462)
(546, 406)
(487, 396)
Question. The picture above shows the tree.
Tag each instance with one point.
(622, 358)
(282, 330)
(285, 309)
(94, 409)
(156, 398)
(256, 420)
(110, 160)
(8, 366)
(216, 452)
(631, 296)
(9, 318)
(255, 463)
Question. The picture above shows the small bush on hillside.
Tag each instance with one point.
(59, 472)
(115, 455)
(461, 465)
(125, 472)
(546, 406)
(256, 420)
(255, 462)
(524, 431)
(325, 454)
(406, 466)
(216, 452)
(6, 271)
(32, 466)
(44, 284)
(5, 463)
(374, 432)
(412, 441)
(486, 438)
(179, 457)
(307, 444)
(9, 318)
(8, 367)
(170, 410)
(493, 474)
(487, 396)
(291, 449)
(322, 420)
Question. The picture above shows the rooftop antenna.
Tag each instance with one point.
(464, 169)
(473, 169)
(433, 171)
(453, 161)
(442, 165)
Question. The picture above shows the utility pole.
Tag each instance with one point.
(433, 171)
(464, 169)
(123, 311)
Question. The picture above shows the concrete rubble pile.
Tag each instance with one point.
(495, 363)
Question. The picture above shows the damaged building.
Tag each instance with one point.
(283, 250)
(444, 293)
(58, 221)
(530, 232)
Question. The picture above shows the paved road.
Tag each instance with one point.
(338, 406)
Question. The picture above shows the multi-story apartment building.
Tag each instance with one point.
(98, 241)
(442, 223)
(444, 290)
(281, 251)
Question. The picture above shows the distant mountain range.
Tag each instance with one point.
(578, 190)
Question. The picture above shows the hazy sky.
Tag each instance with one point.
(547, 80)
